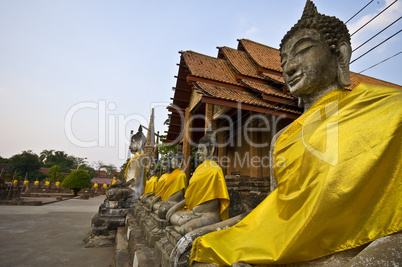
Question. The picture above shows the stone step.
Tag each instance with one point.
(142, 254)
(121, 254)
(163, 249)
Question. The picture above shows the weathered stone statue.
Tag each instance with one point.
(148, 198)
(339, 184)
(133, 187)
(150, 184)
(173, 189)
(206, 200)
(120, 198)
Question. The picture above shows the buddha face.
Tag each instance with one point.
(307, 62)
(165, 166)
(176, 162)
(202, 152)
(135, 146)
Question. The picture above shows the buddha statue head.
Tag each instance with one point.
(165, 165)
(315, 54)
(138, 141)
(152, 170)
(178, 159)
(206, 146)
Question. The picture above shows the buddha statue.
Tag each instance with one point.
(133, 187)
(338, 184)
(206, 200)
(148, 198)
(173, 188)
(150, 184)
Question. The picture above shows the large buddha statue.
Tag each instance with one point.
(206, 200)
(174, 187)
(135, 172)
(339, 186)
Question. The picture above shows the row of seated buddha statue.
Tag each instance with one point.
(173, 206)
(338, 199)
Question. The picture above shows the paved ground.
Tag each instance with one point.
(50, 235)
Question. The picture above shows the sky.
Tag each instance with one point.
(78, 75)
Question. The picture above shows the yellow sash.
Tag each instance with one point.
(175, 182)
(208, 183)
(128, 164)
(160, 184)
(150, 185)
(339, 172)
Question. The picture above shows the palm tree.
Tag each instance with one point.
(45, 155)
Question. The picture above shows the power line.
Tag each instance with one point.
(377, 34)
(359, 12)
(376, 46)
(380, 62)
(374, 17)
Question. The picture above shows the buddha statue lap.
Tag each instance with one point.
(336, 189)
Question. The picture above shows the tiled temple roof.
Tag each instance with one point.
(237, 96)
(267, 89)
(241, 61)
(252, 74)
(211, 68)
(265, 56)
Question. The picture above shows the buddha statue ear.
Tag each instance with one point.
(343, 74)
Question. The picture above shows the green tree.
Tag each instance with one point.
(122, 174)
(79, 163)
(60, 158)
(77, 180)
(27, 162)
(111, 170)
(45, 155)
(55, 174)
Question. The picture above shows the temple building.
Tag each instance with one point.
(242, 94)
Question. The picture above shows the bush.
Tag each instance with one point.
(77, 180)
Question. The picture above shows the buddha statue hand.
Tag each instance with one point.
(154, 200)
(163, 209)
(175, 208)
(119, 193)
(183, 246)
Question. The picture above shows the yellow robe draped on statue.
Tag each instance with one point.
(339, 173)
(208, 183)
(150, 185)
(175, 182)
(160, 184)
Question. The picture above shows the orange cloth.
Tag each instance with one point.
(175, 182)
(339, 184)
(208, 183)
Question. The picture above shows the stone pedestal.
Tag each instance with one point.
(111, 215)
(164, 247)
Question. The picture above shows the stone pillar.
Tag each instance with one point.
(187, 136)
(222, 157)
(255, 167)
(209, 110)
